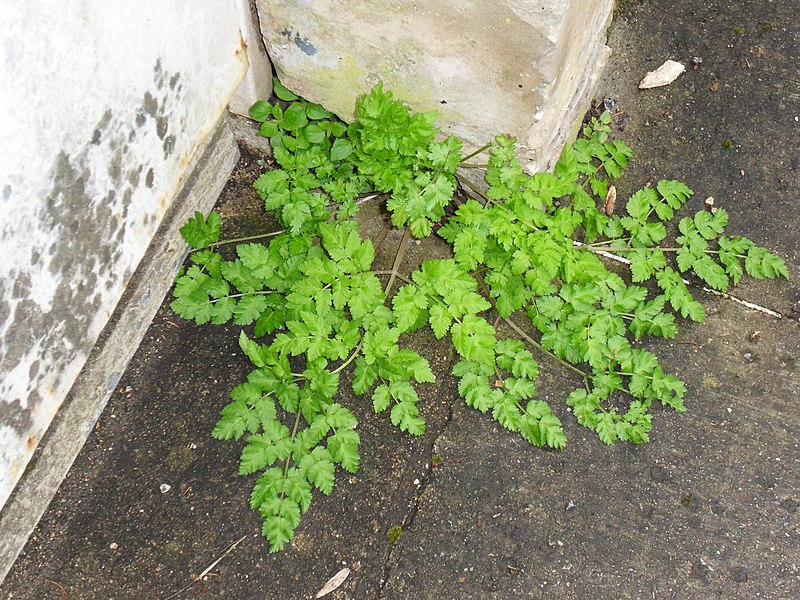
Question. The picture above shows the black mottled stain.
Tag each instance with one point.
(303, 43)
(150, 104)
(87, 230)
(158, 74)
(134, 175)
(14, 415)
(5, 310)
(22, 286)
(105, 120)
(162, 124)
(115, 168)
(82, 227)
(169, 145)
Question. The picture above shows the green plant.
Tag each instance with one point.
(530, 247)
(394, 534)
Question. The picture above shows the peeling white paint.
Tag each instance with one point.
(103, 105)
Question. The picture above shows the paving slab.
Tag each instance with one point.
(708, 509)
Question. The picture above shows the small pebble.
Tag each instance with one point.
(570, 505)
(165, 487)
(740, 576)
(113, 545)
(748, 356)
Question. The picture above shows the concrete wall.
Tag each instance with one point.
(522, 67)
(103, 107)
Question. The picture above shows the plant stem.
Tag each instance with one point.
(538, 346)
(596, 248)
(486, 198)
(241, 239)
(350, 358)
(483, 166)
(262, 292)
(528, 338)
(289, 458)
(478, 151)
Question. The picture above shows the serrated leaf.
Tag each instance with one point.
(364, 376)
(381, 398)
(606, 428)
(474, 339)
(343, 446)
(199, 231)
(405, 415)
(318, 469)
(440, 320)
(712, 273)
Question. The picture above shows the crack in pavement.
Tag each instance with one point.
(408, 520)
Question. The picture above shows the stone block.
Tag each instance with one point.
(525, 68)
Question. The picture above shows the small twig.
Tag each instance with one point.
(60, 587)
(401, 251)
(207, 569)
(378, 241)
(400, 276)
(367, 198)
(537, 345)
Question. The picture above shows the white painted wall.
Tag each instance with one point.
(102, 106)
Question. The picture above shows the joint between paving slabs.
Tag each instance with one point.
(393, 551)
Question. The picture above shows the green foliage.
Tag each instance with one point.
(318, 312)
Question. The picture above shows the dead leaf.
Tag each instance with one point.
(714, 87)
(333, 583)
(611, 200)
(663, 75)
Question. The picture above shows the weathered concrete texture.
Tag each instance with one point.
(526, 68)
(103, 107)
(76, 418)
